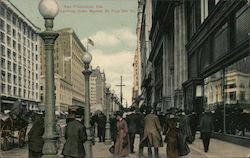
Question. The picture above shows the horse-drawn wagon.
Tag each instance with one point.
(13, 127)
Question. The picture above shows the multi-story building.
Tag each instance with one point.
(68, 65)
(19, 53)
(97, 90)
(218, 58)
(200, 57)
(144, 47)
(136, 78)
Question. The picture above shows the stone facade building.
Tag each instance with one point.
(97, 90)
(68, 65)
(172, 25)
(136, 77)
(200, 60)
(19, 53)
(144, 48)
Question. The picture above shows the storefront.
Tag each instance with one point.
(219, 69)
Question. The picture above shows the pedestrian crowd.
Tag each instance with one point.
(176, 127)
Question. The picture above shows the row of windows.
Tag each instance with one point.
(13, 54)
(13, 90)
(18, 80)
(12, 67)
(17, 45)
(22, 26)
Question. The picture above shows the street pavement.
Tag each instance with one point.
(217, 149)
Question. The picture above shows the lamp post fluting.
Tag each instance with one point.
(49, 9)
(112, 102)
(88, 144)
(108, 140)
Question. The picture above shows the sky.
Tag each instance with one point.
(111, 24)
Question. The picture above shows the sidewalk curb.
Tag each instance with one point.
(212, 156)
(199, 151)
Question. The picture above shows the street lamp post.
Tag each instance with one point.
(88, 144)
(112, 102)
(115, 103)
(49, 9)
(107, 126)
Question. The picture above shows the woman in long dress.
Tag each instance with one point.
(171, 137)
(122, 139)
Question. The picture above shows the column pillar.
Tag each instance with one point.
(180, 56)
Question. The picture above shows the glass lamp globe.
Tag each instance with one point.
(108, 85)
(48, 8)
(87, 57)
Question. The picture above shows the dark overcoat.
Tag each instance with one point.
(131, 120)
(35, 134)
(183, 133)
(206, 124)
(75, 135)
(101, 125)
(171, 138)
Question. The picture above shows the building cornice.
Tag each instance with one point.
(71, 31)
(11, 6)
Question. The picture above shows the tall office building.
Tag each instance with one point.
(144, 24)
(136, 88)
(200, 59)
(68, 65)
(97, 90)
(19, 53)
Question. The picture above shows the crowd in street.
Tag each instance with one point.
(175, 128)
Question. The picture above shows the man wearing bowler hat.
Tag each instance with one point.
(75, 135)
(206, 125)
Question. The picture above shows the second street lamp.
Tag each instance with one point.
(107, 126)
(87, 57)
(49, 9)
(112, 102)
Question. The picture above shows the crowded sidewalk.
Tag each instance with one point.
(217, 149)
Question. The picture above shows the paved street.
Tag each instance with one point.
(218, 149)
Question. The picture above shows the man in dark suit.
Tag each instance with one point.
(206, 125)
(193, 124)
(140, 129)
(35, 139)
(131, 120)
(101, 127)
(75, 135)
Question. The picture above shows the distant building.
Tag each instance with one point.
(68, 66)
(19, 53)
(136, 78)
(97, 90)
(144, 25)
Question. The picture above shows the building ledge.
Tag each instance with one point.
(243, 141)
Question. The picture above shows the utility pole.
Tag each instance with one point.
(121, 85)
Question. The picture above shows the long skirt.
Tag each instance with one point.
(182, 145)
(172, 148)
(122, 145)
